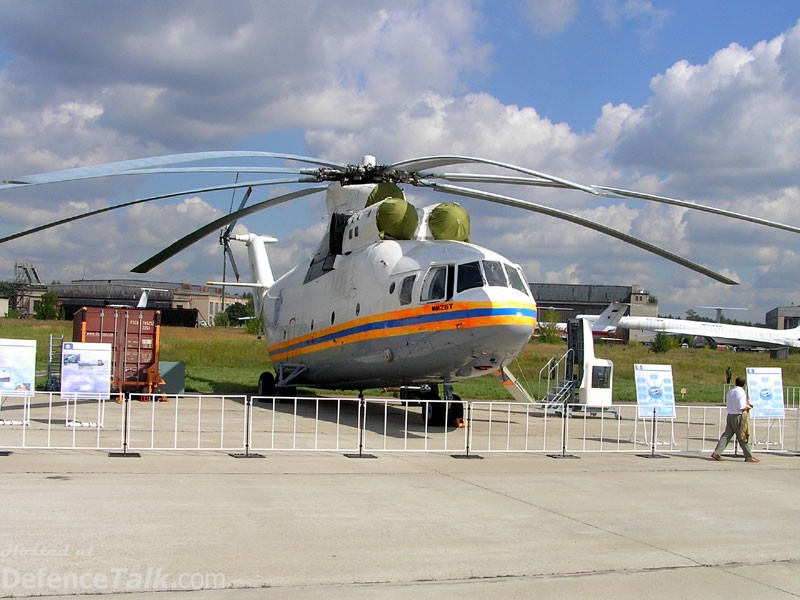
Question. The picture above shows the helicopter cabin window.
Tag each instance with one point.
(516, 278)
(469, 276)
(495, 274)
(406, 289)
(438, 283)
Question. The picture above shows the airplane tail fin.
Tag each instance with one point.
(142, 300)
(609, 319)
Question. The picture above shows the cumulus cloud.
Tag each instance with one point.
(390, 80)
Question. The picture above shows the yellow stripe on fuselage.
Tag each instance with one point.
(425, 319)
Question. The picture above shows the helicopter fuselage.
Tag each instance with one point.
(399, 312)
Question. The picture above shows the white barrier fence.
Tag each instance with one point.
(254, 424)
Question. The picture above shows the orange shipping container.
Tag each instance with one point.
(134, 335)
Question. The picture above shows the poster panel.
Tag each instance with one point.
(86, 369)
(765, 389)
(655, 391)
(17, 367)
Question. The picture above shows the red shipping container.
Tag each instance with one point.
(134, 335)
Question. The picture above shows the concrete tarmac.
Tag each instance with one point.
(204, 525)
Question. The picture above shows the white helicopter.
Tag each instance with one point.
(395, 295)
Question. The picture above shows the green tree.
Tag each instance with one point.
(547, 328)
(221, 319)
(662, 343)
(237, 312)
(47, 308)
(255, 326)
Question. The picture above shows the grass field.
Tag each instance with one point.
(230, 360)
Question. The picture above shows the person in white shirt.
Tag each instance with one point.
(737, 403)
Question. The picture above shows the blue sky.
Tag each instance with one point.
(567, 74)
(694, 100)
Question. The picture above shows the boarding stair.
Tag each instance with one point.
(53, 383)
(557, 383)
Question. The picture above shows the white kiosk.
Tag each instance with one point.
(593, 376)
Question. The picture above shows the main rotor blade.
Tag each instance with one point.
(135, 166)
(616, 192)
(197, 235)
(515, 202)
(607, 192)
(420, 164)
(503, 179)
(20, 234)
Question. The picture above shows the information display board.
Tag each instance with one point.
(86, 369)
(655, 391)
(765, 389)
(17, 366)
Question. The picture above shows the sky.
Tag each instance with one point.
(692, 100)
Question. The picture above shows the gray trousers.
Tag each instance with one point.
(731, 429)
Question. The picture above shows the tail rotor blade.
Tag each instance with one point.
(229, 229)
(229, 254)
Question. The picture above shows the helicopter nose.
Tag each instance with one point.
(501, 325)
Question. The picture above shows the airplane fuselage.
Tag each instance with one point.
(720, 333)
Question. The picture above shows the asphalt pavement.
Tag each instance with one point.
(202, 525)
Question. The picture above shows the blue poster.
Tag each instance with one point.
(765, 390)
(17, 367)
(655, 391)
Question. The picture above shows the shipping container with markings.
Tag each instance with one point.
(134, 335)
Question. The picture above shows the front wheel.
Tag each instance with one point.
(433, 413)
(266, 384)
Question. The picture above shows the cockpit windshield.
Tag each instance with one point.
(492, 273)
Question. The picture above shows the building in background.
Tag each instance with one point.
(571, 300)
(787, 317)
(181, 304)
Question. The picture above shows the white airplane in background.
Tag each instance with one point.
(603, 325)
(718, 333)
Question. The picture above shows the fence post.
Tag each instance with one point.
(248, 416)
(125, 429)
(564, 417)
(467, 455)
(362, 426)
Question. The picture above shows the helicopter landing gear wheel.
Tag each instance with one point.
(266, 385)
(455, 412)
(433, 413)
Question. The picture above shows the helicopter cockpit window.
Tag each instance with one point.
(495, 274)
(406, 289)
(469, 276)
(435, 285)
(515, 277)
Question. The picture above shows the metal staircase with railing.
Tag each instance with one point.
(53, 383)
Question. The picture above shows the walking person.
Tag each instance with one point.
(737, 404)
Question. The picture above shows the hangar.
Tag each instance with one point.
(571, 300)
(182, 304)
